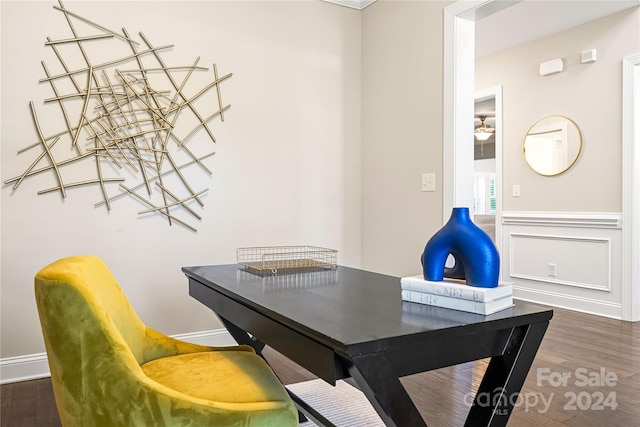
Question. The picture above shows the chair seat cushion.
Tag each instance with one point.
(221, 376)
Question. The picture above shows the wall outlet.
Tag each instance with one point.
(551, 269)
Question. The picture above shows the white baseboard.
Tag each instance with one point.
(23, 368)
(570, 302)
(213, 338)
(34, 366)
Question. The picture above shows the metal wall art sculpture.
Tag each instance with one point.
(136, 118)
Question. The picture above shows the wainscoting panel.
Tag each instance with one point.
(572, 261)
(569, 260)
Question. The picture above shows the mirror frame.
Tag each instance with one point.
(571, 162)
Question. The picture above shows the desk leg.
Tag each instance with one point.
(242, 337)
(505, 376)
(375, 377)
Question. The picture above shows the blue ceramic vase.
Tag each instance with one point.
(477, 259)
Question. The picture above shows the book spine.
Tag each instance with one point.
(443, 290)
(446, 302)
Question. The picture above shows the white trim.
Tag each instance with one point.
(570, 302)
(631, 186)
(24, 368)
(354, 4)
(35, 366)
(459, 62)
(212, 338)
(564, 219)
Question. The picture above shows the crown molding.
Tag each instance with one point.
(354, 4)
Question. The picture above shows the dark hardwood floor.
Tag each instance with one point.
(586, 374)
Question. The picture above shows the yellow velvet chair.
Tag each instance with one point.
(109, 369)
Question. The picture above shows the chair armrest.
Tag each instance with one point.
(159, 345)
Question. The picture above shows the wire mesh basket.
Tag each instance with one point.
(272, 260)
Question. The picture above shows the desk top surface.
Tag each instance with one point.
(348, 306)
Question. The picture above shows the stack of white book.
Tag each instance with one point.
(457, 295)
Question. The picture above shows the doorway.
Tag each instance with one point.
(459, 72)
(487, 180)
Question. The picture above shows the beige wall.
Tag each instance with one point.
(589, 94)
(341, 108)
(286, 169)
(402, 59)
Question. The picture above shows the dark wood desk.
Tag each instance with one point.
(352, 323)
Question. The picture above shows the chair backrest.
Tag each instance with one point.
(84, 284)
(95, 341)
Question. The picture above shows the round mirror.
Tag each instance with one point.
(552, 145)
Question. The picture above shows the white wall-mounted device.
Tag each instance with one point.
(588, 56)
(551, 67)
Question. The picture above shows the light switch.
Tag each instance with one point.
(516, 190)
(428, 182)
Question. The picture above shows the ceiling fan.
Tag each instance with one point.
(483, 131)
